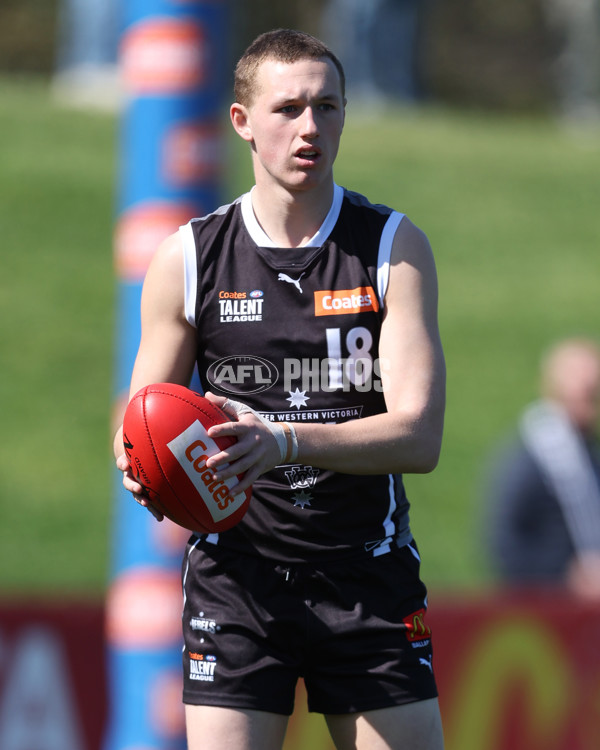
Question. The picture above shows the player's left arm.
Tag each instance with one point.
(407, 437)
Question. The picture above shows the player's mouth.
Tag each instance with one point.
(308, 155)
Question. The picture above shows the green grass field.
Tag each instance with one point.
(510, 206)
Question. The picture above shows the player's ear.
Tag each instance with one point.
(241, 121)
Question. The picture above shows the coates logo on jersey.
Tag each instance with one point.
(141, 229)
(346, 301)
(241, 374)
(164, 56)
(192, 153)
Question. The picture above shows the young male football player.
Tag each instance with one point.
(333, 302)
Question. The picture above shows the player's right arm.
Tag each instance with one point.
(167, 349)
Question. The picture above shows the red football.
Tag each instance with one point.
(165, 438)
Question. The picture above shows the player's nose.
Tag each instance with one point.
(308, 121)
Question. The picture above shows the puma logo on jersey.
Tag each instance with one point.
(295, 282)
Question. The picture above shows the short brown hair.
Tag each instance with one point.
(283, 45)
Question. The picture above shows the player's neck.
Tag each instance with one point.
(291, 218)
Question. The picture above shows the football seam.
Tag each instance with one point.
(192, 403)
(155, 454)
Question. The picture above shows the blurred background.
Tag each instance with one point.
(479, 120)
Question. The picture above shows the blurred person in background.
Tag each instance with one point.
(379, 45)
(575, 30)
(86, 72)
(543, 495)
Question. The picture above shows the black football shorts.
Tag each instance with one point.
(355, 631)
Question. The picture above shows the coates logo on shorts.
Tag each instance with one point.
(163, 56)
(346, 301)
(240, 374)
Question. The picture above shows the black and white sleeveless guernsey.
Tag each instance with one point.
(294, 333)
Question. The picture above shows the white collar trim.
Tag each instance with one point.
(260, 237)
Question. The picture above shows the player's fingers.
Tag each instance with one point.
(227, 465)
(131, 485)
(122, 462)
(222, 403)
(249, 461)
(225, 429)
(145, 503)
(137, 492)
(247, 480)
(244, 444)
(156, 513)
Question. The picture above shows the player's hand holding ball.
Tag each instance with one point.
(259, 444)
(193, 459)
(167, 444)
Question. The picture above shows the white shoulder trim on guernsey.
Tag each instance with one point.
(385, 253)
(190, 272)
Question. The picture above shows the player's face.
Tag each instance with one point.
(295, 123)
